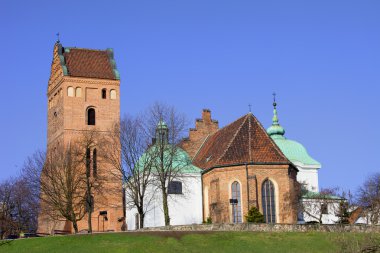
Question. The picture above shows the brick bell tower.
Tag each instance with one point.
(84, 95)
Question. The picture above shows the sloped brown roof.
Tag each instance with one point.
(88, 63)
(355, 215)
(243, 141)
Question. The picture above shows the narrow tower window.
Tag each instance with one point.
(94, 163)
(91, 117)
(88, 162)
(104, 93)
(113, 94)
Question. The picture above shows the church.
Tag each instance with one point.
(228, 170)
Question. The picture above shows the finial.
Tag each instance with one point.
(57, 34)
(249, 107)
(275, 117)
(275, 131)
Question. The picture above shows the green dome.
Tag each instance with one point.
(293, 150)
(180, 161)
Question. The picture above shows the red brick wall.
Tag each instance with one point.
(203, 128)
(218, 181)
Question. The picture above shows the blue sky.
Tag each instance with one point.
(321, 57)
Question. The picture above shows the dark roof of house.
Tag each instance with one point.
(243, 141)
(90, 63)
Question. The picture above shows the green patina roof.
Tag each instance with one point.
(162, 125)
(179, 161)
(293, 150)
(318, 195)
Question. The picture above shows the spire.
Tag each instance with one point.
(275, 117)
(275, 131)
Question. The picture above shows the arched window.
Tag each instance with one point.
(113, 94)
(78, 92)
(70, 91)
(94, 163)
(104, 93)
(236, 202)
(91, 117)
(269, 201)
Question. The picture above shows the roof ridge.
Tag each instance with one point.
(200, 147)
(89, 49)
(272, 141)
(233, 138)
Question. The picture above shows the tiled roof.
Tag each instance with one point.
(90, 63)
(243, 141)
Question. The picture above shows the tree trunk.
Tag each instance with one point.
(165, 207)
(90, 221)
(141, 212)
(75, 225)
(141, 215)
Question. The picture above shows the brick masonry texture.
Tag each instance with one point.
(217, 183)
(204, 127)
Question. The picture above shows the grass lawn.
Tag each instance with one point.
(186, 242)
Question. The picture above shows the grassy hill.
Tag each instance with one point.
(177, 242)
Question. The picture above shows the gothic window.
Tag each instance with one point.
(104, 93)
(175, 187)
(236, 202)
(78, 92)
(113, 94)
(70, 91)
(269, 201)
(94, 163)
(91, 117)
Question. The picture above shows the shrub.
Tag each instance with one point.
(208, 220)
(254, 216)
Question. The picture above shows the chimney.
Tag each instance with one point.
(206, 115)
